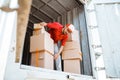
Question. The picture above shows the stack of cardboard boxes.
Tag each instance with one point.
(71, 54)
(41, 48)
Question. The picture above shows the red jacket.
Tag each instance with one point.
(56, 33)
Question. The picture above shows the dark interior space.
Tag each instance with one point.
(63, 11)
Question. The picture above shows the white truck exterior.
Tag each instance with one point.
(103, 18)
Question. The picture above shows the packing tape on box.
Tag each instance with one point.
(42, 51)
(37, 26)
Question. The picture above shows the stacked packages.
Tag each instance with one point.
(41, 48)
(71, 54)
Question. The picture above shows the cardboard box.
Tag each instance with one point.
(72, 54)
(42, 59)
(72, 66)
(36, 32)
(41, 42)
(39, 31)
(74, 36)
(37, 26)
(71, 45)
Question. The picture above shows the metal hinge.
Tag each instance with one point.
(93, 27)
(96, 46)
(99, 68)
(69, 78)
(98, 54)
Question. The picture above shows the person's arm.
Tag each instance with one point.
(59, 52)
(54, 25)
(61, 48)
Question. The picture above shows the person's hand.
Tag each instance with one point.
(43, 23)
(56, 56)
(80, 56)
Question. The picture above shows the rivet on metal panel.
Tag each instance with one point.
(99, 68)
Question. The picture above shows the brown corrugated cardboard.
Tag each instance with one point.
(74, 36)
(42, 59)
(72, 54)
(39, 31)
(41, 42)
(71, 45)
(72, 66)
(36, 32)
(37, 26)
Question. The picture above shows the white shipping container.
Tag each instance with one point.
(98, 24)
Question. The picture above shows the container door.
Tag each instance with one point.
(108, 17)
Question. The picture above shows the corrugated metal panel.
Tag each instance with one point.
(59, 19)
(45, 0)
(49, 11)
(40, 15)
(77, 17)
(69, 17)
(108, 16)
(34, 19)
(57, 6)
(52, 7)
(64, 22)
(36, 3)
(86, 63)
(68, 4)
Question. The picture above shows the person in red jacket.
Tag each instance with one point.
(58, 33)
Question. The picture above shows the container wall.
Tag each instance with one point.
(77, 17)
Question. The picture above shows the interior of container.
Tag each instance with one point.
(62, 11)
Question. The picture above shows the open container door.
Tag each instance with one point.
(108, 17)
